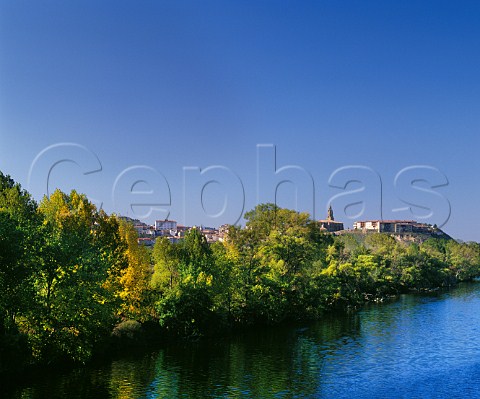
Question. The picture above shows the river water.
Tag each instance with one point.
(417, 346)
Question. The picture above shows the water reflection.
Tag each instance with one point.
(415, 346)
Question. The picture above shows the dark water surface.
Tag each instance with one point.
(414, 347)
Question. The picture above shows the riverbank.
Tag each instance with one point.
(131, 337)
(363, 354)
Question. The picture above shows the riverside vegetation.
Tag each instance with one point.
(73, 280)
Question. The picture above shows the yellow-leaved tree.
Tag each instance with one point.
(135, 278)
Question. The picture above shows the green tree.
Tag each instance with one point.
(72, 311)
(19, 245)
(188, 308)
(422, 271)
(381, 244)
(463, 259)
(435, 248)
(166, 258)
(276, 261)
(12, 272)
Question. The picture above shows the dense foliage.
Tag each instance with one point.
(73, 277)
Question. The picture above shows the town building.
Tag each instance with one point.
(392, 226)
(181, 230)
(211, 234)
(223, 232)
(330, 224)
(144, 230)
(165, 226)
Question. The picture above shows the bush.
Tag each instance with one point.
(128, 330)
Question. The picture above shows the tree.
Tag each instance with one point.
(19, 224)
(187, 307)
(72, 311)
(135, 278)
(381, 244)
(435, 248)
(12, 272)
(463, 259)
(422, 271)
(277, 260)
(166, 258)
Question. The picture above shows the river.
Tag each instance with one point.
(417, 346)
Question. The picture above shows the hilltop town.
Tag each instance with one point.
(147, 234)
(401, 230)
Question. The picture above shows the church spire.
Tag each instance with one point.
(330, 214)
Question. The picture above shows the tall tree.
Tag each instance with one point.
(135, 278)
(19, 225)
(188, 308)
(73, 311)
(166, 258)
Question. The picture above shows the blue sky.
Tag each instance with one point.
(146, 89)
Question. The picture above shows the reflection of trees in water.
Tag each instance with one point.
(268, 363)
(130, 378)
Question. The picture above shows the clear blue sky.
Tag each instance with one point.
(167, 85)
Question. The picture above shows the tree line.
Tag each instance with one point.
(73, 278)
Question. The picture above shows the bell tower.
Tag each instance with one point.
(330, 214)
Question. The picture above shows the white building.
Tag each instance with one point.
(165, 225)
(392, 226)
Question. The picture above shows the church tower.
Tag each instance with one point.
(330, 214)
(329, 224)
